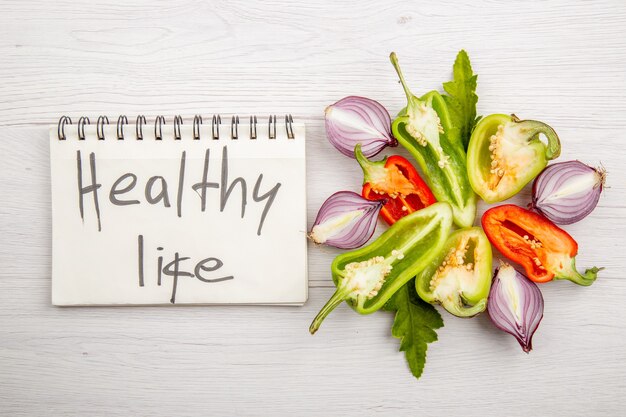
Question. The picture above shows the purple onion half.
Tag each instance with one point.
(354, 120)
(515, 305)
(566, 192)
(346, 220)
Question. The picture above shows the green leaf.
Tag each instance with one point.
(461, 99)
(414, 325)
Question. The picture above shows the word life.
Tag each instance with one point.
(204, 270)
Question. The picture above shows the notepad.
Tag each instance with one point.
(178, 213)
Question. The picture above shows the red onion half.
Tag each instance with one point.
(354, 120)
(515, 305)
(346, 220)
(566, 192)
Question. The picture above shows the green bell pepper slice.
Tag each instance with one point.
(367, 277)
(459, 277)
(422, 128)
(506, 153)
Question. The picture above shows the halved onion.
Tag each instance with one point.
(515, 305)
(566, 192)
(346, 220)
(354, 120)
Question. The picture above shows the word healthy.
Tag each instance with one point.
(156, 190)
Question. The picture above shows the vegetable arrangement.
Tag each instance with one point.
(420, 261)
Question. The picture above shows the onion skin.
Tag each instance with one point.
(346, 220)
(515, 305)
(567, 192)
(355, 119)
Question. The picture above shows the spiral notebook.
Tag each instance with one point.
(178, 211)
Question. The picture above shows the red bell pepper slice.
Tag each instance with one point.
(544, 250)
(397, 181)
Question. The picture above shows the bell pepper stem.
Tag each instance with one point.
(396, 65)
(337, 298)
(554, 144)
(534, 127)
(366, 165)
(572, 274)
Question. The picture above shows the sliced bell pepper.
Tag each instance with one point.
(367, 277)
(395, 180)
(459, 278)
(544, 250)
(505, 153)
(423, 128)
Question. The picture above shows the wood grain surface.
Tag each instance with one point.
(558, 61)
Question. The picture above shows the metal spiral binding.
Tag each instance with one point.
(159, 121)
(100, 126)
(61, 127)
(271, 127)
(121, 121)
(178, 120)
(141, 120)
(197, 121)
(252, 127)
(289, 126)
(234, 128)
(81, 127)
(215, 126)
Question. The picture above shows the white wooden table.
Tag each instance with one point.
(557, 61)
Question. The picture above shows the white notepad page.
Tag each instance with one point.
(246, 246)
